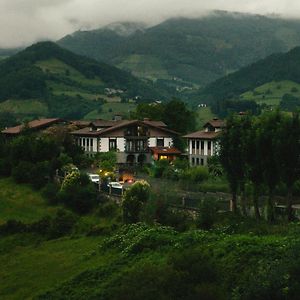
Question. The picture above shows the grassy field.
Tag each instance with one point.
(29, 270)
(56, 66)
(20, 202)
(271, 93)
(110, 109)
(145, 66)
(25, 107)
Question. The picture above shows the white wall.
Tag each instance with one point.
(121, 144)
(152, 142)
(168, 141)
(104, 144)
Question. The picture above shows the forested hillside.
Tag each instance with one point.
(180, 51)
(269, 82)
(53, 81)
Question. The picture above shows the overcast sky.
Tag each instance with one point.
(23, 22)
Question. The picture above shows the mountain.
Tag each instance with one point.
(46, 79)
(182, 51)
(266, 82)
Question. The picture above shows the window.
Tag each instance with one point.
(88, 142)
(198, 145)
(193, 160)
(92, 143)
(193, 144)
(202, 161)
(112, 144)
(202, 145)
(159, 142)
(208, 145)
(197, 160)
(83, 142)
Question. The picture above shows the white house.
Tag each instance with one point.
(204, 143)
(133, 140)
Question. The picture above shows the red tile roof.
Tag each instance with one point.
(165, 150)
(206, 135)
(35, 124)
(121, 124)
(216, 123)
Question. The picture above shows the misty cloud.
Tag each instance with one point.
(25, 21)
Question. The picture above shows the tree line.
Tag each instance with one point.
(263, 152)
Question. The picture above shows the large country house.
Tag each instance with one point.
(134, 141)
(33, 126)
(204, 143)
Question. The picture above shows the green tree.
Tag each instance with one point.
(289, 156)
(133, 201)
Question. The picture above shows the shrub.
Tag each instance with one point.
(5, 167)
(81, 199)
(50, 192)
(22, 173)
(160, 167)
(12, 227)
(207, 214)
(196, 174)
(133, 200)
(108, 209)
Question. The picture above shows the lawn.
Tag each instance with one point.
(20, 202)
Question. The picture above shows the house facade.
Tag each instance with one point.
(204, 143)
(133, 140)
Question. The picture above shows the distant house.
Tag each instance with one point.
(35, 125)
(134, 141)
(204, 143)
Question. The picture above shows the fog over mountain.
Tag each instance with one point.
(24, 22)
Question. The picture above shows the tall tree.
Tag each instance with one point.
(268, 143)
(233, 158)
(289, 156)
(254, 162)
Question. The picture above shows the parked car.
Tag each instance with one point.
(115, 185)
(95, 178)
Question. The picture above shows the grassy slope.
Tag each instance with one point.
(20, 202)
(110, 109)
(26, 107)
(271, 93)
(145, 66)
(203, 115)
(32, 269)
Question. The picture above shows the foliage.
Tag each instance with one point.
(207, 213)
(106, 161)
(78, 193)
(133, 201)
(197, 174)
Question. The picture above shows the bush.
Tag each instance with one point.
(196, 174)
(160, 167)
(133, 200)
(81, 199)
(22, 173)
(50, 192)
(108, 209)
(207, 214)
(5, 167)
(12, 227)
